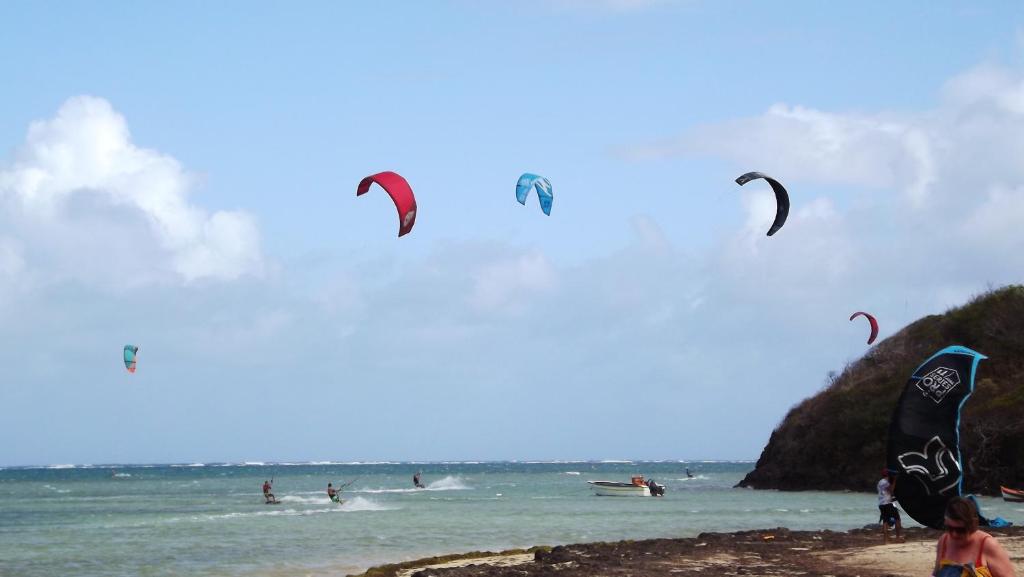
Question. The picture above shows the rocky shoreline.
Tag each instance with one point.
(779, 551)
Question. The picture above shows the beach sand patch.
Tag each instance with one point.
(493, 561)
(912, 558)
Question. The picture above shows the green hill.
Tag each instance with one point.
(836, 439)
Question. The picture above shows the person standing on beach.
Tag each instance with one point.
(964, 550)
(888, 516)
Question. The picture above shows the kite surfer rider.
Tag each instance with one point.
(335, 494)
(267, 495)
(416, 481)
(889, 515)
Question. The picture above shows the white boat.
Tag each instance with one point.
(637, 487)
(1013, 495)
(614, 489)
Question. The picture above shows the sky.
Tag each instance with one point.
(181, 177)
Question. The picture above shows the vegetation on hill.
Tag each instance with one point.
(836, 439)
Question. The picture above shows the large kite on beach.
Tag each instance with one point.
(401, 193)
(924, 435)
(543, 186)
(871, 320)
(781, 198)
(129, 357)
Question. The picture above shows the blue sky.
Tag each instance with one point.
(182, 176)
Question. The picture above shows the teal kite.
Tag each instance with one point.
(129, 357)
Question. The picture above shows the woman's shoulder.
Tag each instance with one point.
(989, 544)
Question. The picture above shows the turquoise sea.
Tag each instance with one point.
(210, 519)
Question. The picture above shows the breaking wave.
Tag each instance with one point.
(448, 483)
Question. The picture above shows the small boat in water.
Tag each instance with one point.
(1015, 495)
(636, 488)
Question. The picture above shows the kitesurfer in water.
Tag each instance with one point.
(689, 475)
(333, 493)
(267, 495)
(889, 515)
(416, 481)
(963, 547)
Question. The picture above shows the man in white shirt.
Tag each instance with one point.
(888, 516)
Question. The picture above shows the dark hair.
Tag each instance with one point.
(961, 509)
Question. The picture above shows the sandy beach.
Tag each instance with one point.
(767, 552)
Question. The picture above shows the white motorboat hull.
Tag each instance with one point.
(1012, 495)
(610, 489)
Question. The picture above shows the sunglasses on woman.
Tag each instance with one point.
(956, 530)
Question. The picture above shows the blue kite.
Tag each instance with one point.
(543, 186)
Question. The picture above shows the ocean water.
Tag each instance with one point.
(210, 519)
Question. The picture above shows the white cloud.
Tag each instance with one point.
(507, 284)
(958, 152)
(649, 233)
(11, 262)
(986, 86)
(86, 198)
(996, 222)
(888, 195)
(795, 143)
(13, 276)
(342, 294)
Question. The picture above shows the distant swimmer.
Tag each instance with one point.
(416, 481)
(333, 493)
(267, 495)
(689, 475)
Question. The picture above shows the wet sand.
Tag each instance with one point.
(778, 551)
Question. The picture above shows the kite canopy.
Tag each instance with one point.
(528, 181)
(871, 319)
(401, 193)
(129, 357)
(781, 198)
(924, 435)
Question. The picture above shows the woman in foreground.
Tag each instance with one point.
(963, 550)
